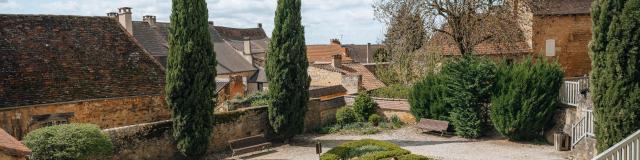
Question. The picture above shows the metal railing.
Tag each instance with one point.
(585, 127)
(627, 149)
(570, 92)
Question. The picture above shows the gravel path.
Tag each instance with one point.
(446, 148)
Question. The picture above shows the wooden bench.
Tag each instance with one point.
(249, 144)
(429, 125)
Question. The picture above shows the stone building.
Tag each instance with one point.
(331, 65)
(237, 49)
(75, 69)
(562, 31)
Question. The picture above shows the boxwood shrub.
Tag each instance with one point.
(345, 150)
(69, 141)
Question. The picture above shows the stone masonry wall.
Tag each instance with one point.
(321, 77)
(572, 34)
(322, 112)
(106, 113)
(153, 140)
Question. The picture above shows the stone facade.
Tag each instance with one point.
(571, 34)
(322, 112)
(322, 77)
(106, 113)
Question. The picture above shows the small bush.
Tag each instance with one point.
(427, 98)
(70, 141)
(346, 115)
(395, 120)
(393, 91)
(364, 106)
(526, 98)
(342, 151)
(375, 119)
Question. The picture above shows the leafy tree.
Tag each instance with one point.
(69, 141)
(191, 71)
(526, 98)
(469, 85)
(615, 78)
(286, 70)
(364, 106)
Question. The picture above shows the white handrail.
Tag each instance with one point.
(583, 128)
(570, 93)
(627, 149)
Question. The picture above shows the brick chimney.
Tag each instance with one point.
(112, 15)
(336, 61)
(335, 42)
(149, 19)
(124, 17)
(259, 25)
(211, 23)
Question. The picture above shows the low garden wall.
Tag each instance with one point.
(153, 140)
(322, 112)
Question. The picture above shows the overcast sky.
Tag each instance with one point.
(352, 21)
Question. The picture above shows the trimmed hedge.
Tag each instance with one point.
(391, 150)
(69, 141)
(346, 115)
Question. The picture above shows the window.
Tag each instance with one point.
(51, 119)
(550, 48)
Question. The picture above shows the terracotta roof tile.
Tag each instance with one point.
(324, 53)
(369, 81)
(11, 146)
(565, 7)
(50, 59)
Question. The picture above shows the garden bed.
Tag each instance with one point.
(369, 149)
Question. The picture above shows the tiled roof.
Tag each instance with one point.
(260, 76)
(221, 85)
(324, 53)
(369, 80)
(362, 54)
(11, 146)
(565, 7)
(319, 91)
(443, 44)
(49, 59)
(401, 105)
(227, 48)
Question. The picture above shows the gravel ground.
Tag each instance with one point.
(446, 148)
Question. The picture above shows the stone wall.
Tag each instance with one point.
(404, 115)
(572, 34)
(106, 113)
(321, 77)
(322, 112)
(389, 107)
(153, 140)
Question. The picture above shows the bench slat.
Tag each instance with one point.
(433, 125)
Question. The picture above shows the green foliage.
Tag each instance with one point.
(359, 151)
(346, 115)
(190, 79)
(393, 91)
(364, 106)
(466, 122)
(286, 68)
(395, 120)
(255, 99)
(69, 141)
(526, 98)
(413, 157)
(469, 87)
(381, 55)
(228, 117)
(375, 119)
(343, 151)
(615, 78)
(427, 98)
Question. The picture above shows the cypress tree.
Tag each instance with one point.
(286, 70)
(190, 79)
(615, 78)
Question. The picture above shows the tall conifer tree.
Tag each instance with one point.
(190, 82)
(615, 79)
(286, 70)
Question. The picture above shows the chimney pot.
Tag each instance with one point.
(124, 17)
(259, 25)
(112, 14)
(211, 23)
(149, 19)
(336, 61)
(335, 42)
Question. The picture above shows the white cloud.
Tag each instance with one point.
(351, 20)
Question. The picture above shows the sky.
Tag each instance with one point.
(351, 21)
